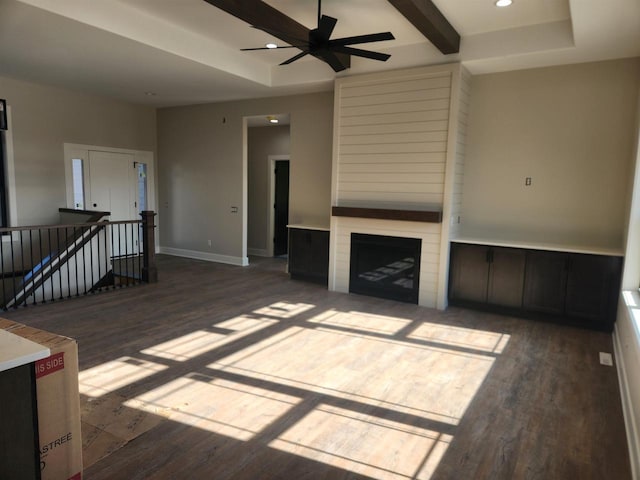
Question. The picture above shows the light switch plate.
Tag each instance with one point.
(606, 359)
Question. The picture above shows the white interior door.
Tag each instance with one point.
(112, 188)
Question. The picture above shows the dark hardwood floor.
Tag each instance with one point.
(222, 372)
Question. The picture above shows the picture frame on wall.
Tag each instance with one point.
(3, 114)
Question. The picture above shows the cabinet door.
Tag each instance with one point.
(309, 254)
(469, 272)
(300, 255)
(319, 262)
(545, 282)
(19, 452)
(590, 282)
(506, 277)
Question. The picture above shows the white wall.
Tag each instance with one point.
(43, 119)
(201, 171)
(570, 129)
(262, 142)
(627, 331)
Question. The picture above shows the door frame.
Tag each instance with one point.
(72, 150)
(271, 165)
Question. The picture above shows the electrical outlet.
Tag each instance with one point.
(527, 181)
(606, 359)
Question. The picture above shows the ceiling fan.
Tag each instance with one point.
(334, 52)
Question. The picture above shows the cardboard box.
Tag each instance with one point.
(58, 403)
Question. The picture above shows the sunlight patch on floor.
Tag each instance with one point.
(367, 393)
(364, 444)
(198, 342)
(365, 322)
(435, 383)
(216, 405)
(470, 338)
(284, 309)
(111, 376)
(185, 347)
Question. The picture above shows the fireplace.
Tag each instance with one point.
(385, 267)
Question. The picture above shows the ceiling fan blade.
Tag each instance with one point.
(266, 48)
(326, 26)
(373, 37)
(383, 57)
(296, 57)
(334, 59)
(291, 40)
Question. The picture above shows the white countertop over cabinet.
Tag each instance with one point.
(16, 351)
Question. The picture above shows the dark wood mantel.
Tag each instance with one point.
(428, 216)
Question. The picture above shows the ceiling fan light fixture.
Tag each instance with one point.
(271, 45)
(503, 3)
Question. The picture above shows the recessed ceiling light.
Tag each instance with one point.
(272, 119)
(271, 45)
(503, 3)
(150, 94)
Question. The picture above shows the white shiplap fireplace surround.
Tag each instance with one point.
(398, 144)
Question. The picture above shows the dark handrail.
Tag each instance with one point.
(70, 225)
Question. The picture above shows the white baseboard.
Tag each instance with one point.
(209, 257)
(258, 252)
(627, 404)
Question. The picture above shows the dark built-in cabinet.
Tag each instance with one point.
(19, 445)
(573, 288)
(309, 254)
(487, 275)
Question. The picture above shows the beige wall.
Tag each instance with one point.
(201, 175)
(43, 119)
(262, 142)
(571, 129)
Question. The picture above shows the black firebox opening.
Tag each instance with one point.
(385, 267)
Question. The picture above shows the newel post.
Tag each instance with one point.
(149, 270)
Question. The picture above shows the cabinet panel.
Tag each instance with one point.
(506, 279)
(309, 254)
(592, 284)
(19, 452)
(545, 282)
(470, 272)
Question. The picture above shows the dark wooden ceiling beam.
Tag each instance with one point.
(258, 13)
(426, 17)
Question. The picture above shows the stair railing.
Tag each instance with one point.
(45, 263)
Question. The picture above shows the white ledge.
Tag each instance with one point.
(16, 351)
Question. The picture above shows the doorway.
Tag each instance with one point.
(264, 144)
(113, 180)
(280, 208)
